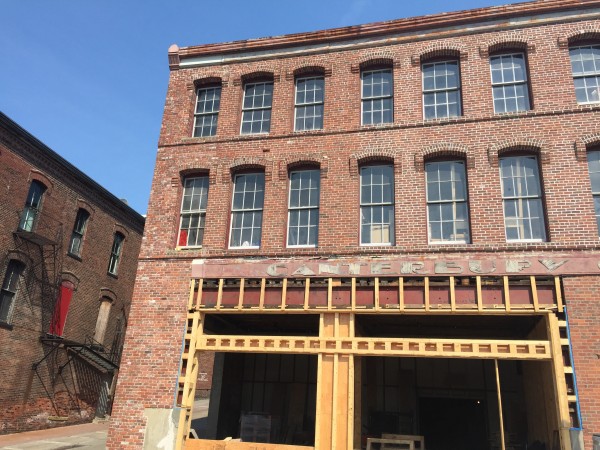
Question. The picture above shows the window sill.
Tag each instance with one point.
(112, 275)
(244, 248)
(525, 241)
(301, 246)
(188, 247)
(6, 326)
(376, 245)
(449, 243)
(74, 256)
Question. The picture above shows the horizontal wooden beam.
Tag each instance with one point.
(428, 348)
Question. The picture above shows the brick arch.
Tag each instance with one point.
(42, 178)
(439, 50)
(208, 79)
(530, 145)
(247, 162)
(201, 169)
(590, 33)
(443, 149)
(84, 204)
(71, 278)
(107, 293)
(308, 159)
(584, 144)
(375, 58)
(118, 228)
(17, 255)
(308, 68)
(259, 74)
(372, 155)
(506, 42)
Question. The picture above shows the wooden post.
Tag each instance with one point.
(560, 385)
(452, 295)
(559, 299)
(502, 443)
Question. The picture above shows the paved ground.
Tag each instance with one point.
(89, 436)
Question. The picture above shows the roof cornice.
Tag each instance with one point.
(378, 29)
(32, 149)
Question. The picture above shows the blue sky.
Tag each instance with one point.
(89, 77)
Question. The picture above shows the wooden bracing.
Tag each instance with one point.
(337, 344)
(382, 295)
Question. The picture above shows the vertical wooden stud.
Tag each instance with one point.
(199, 295)
(452, 295)
(306, 292)
(261, 301)
(329, 293)
(500, 416)
(479, 294)
(506, 293)
(220, 293)
(191, 297)
(376, 294)
(559, 299)
(241, 298)
(284, 293)
(426, 293)
(401, 293)
(534, 294)
(353, 294)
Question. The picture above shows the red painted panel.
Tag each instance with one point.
(439, 295)
(317, 297)
(209, 297)
(61, 308)
(230, 297)
(414, 296)
(341, 296)
(273, 296)
(389, 296)
(492, 295)
(365, 296)
(520, 295)
(466, 295)
(546, 295)
(295, 297)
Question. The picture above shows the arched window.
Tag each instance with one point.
(510, 83)
(256, 107)
(102, 320)
(76, 242)
(193, 211)
(377, 205)
(10, 287)
(522, 198)
(593, 158)
(33, 205)
(208, 102)
(247, 210)
(377, 95)
(447, 204)
(310, 97)
(303, 212)
(115, 253)
(441, 88)
(585, 63)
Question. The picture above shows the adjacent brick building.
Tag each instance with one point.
(379, 231)
(69, 253)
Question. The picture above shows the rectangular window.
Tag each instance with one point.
(32, 206)
(509, 83)
(447, 208)
(377, 96)
(585, 62)
(594, 169)
(78, 232)
(376, 205)
(309, 103)
(247, 210)
(9, 289)
(115, 253)
(193, 212)
(303, 220)
(441, 90)
(256, 109)
(207, 111)
(522, 199)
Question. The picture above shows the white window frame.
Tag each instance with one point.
(524, 82)
(458, 89)
(243, 210)
(6, 286)
(392, 203)
(363, 99)
(305, 104)
(539, 197)
(116, 251)
(78, 233)
(212, 113)
(454, 202)
(312, 209)
(257, 108)
(595, 193)
(594, 74)
(33, 206)
(191, 212)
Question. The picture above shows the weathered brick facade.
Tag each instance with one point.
(556, 129)
(24, 403)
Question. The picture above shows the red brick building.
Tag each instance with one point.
(388, 231)
(69, 253)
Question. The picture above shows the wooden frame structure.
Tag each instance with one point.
(337, 343)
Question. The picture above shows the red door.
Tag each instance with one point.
(61, 308)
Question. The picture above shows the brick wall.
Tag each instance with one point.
(550, 130)
(23, 402)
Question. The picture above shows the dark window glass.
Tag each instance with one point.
(115, 253)
(377, 97)
(193, 211)
(441, 90)
(256, 109)
(208, 101)
(247, 210)
(78, 231)
(309, 103)
(585, 63)
(10, 287)
(509, 83)
(33, 206)
(303, 221)
(377, 205)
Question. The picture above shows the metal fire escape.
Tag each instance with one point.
(40, 241)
